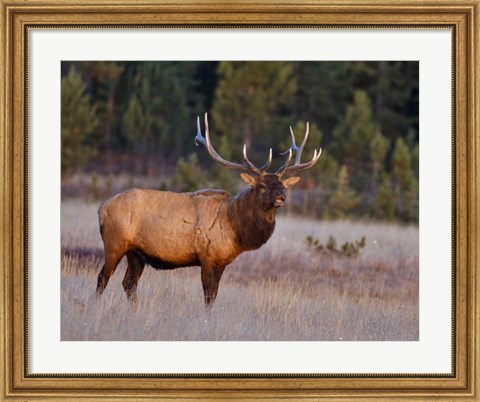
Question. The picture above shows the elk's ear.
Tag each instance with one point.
(290, 182)
(250, 180)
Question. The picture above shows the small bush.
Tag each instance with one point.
(348, 249)
(189, 176)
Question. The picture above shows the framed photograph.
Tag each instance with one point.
(252, 200)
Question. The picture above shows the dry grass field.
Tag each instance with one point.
(281, 292)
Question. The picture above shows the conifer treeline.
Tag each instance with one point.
(363, 114)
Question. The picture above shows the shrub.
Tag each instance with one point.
(348, 249)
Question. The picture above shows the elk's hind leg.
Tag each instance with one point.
(136, 263)
(111, 261)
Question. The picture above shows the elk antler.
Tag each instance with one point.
(247, 167)
(297, 166)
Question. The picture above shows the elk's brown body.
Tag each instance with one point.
(209, 228)
(167, 230)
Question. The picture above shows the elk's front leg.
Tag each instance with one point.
(210, 279)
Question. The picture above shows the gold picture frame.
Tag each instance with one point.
(16, 383)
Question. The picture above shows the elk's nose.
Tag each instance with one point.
(279, 199)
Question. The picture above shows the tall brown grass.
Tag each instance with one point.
(283, 291)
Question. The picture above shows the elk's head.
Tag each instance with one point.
(268, 188)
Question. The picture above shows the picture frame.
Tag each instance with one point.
(17, 383)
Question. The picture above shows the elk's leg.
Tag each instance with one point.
(210, 279)
(111, 262)
(136, 263)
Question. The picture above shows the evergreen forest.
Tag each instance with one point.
(139, 118)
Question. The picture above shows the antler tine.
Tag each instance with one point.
(302, 145)
(293, 147)
(199, 138)
(215, 156)
(282, 168)
(306, 165)
(264, 168)
(252, 167)
(248, 166)
(298, 150)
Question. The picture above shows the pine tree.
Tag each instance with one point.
(401, 163)
(352, 138)
(344, 199)
(158, 119)
(385, 199)
(378, 151)
(411, 200)
(395, 96)
(326, 171)
(106, 75)
(250, 102)
(137, 125)
(415, 160)
(79, 120)
(403, 179)
(324, 88)
(413, 194)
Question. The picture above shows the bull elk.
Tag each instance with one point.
(209, 228)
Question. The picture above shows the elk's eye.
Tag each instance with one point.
(261, 185)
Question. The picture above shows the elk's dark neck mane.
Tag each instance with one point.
(253, 226)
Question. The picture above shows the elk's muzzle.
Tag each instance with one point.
(279, 200)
